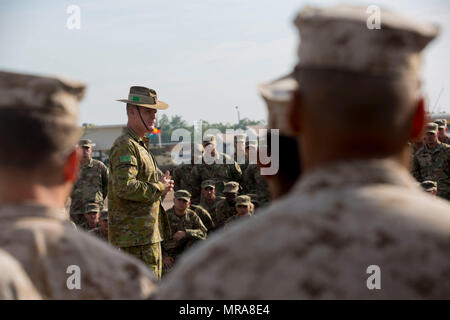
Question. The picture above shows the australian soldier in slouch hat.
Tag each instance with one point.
(137, 220)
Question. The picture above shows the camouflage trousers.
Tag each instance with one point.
(150, 254)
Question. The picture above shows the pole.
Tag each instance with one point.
(239, 116)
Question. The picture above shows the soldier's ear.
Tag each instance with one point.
(294, 112)
(418, 120)
(72, 165)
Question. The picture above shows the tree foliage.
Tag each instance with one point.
(168, 125)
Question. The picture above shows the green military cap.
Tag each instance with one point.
(183, 194)
(442, 123)
(231, 187)
(85, 143)
(207, 139)
(104, 214)
(144, 97)
(429, 185)
(243, 201)
(431, 127)
(254, 197)
(208, 183)
(92, 207)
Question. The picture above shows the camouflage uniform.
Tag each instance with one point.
(348, 224)
(91, 186)
(14, 282)
(253, 182)
(224, 211)
(434, 165)
(237, 217)
(220, 173)
(137, 222)
(191, 224)
(98, 233)
(182, 177)
(380, 216)
(210, 206)
(41, 238)
(204, 215)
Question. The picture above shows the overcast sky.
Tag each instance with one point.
(202, 57)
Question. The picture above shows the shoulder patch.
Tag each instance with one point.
(125, 159)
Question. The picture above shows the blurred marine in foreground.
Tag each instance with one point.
(356, 208)
(38, 167)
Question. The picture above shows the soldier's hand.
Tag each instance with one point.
(168, 262)
(179, 235)
(167, 182)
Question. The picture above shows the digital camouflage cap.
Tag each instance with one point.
(231, 187)
(442, 123)
(431, 127)
(208, 183)
(243, 201)
(92, 208)
(183, 195)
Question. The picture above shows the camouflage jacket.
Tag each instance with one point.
(237, 217)
(224, 211)
(356, 213)
(221, 173)
(85, 226)
(91, 186)
(135, 214)
(434, 165)
(182, 176)
(98, 233)
(191, 224)
(210, 207)
(253, 182)
(204, 215)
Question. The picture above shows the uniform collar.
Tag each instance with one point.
(29, 209)
(438, 148)
(353, 174)
(133, 135)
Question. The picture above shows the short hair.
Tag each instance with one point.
(35, 140)
(348, 102)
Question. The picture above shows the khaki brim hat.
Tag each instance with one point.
(144, 97)
(160, 105)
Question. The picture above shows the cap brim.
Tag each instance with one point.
(279, 90)
(183, 198)
(160, 105)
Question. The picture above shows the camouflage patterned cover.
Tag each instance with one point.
(135, 213)
(434, 165)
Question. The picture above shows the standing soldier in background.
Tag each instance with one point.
(356, 205)
(222, 171)
(254, 183)
(92, 183)
(137, 220)
(226, 208)
(432, 162)
(33, 194)
(442, 130)
(182, 173)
